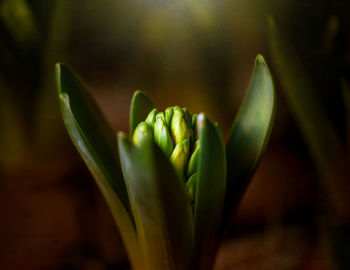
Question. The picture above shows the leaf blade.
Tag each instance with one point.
(160, 205)
(81, 115)
(325, 145)
(249, 134)
(210, 191)
(99, 137)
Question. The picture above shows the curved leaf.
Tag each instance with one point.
(99, 144)
(325, 146)
(161, 208)
(95, 142)
(249, 134)
(140, 107)
(210, 191)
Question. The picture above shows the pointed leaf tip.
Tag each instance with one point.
(200, 120)
(260, 59)
(249, 134)
(122, 135)
(140, 107)
(57, 67)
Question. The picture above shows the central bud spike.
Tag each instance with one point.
(174, 131)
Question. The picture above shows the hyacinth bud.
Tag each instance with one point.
(180, 155)
(169, 115)
(151, 118)
(173, 131)
(188, 117)
(192, 166)
(180, 127)
(162, 135)
(142, 131)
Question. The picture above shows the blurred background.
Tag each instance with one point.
(197, 54)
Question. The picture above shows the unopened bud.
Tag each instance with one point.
(188, 116)
(180, 155)
(151, 118)
(180, 129)
(142, 131)
(169, 115)
(162, 135)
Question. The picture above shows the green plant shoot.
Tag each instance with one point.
(175, 184)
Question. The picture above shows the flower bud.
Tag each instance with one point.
(142, 131)
(169, 115)
(162, 135)
(192, 166)
(188, 116)
(180, 129)
(180, 155)
(151, 118)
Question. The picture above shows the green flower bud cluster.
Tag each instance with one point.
(174, 131)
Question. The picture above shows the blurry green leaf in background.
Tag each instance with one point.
(326, 147)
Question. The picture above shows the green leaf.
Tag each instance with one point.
(160, 205)
(325, 146)
(96, 143)
(249, 134)
(140, 107)
(99, 144)
(210, 191)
